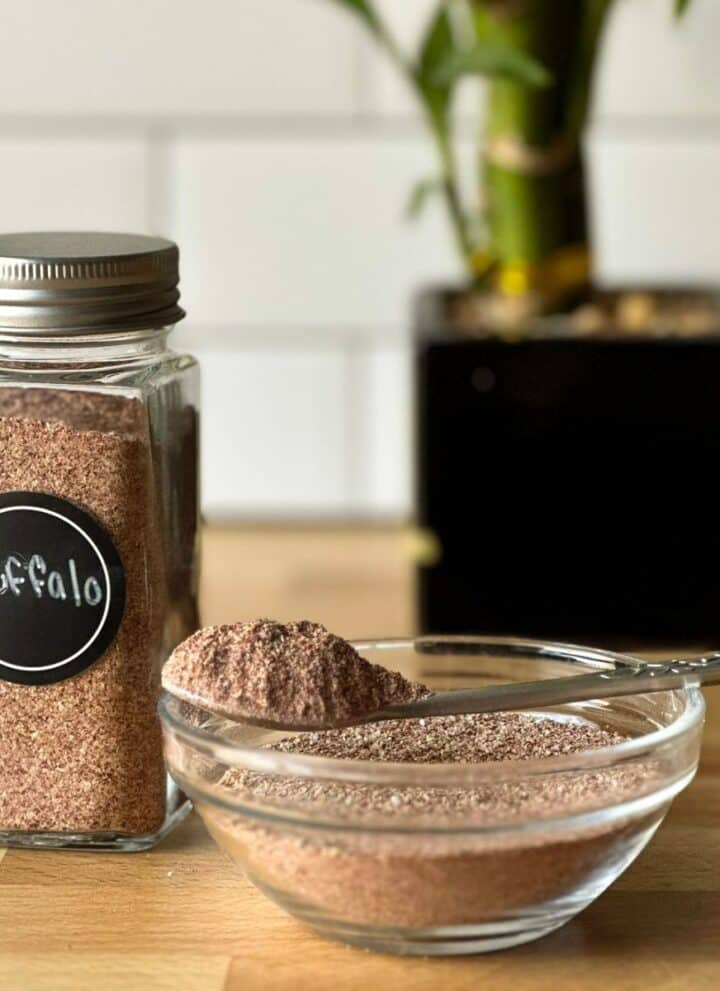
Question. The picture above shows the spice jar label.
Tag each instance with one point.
(62, 589)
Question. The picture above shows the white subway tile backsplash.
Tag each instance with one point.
(383, 422)
(656, 209)
(656, 66)
(307, 230)
(164, 57)
(274, 431)
(300, 429)
(55, 182)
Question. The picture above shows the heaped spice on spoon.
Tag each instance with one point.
(291, 674)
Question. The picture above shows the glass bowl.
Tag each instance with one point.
(540, 840)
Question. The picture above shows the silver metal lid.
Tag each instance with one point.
(73, 283)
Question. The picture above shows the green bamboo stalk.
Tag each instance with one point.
(533, 172)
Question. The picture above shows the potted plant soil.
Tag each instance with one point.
(563, 433)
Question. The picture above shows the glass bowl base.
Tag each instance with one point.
(480, 937)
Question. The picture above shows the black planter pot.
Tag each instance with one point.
(570, 484)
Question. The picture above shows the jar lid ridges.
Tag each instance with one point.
(87, 282)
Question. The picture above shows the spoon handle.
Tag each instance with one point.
(635, 680)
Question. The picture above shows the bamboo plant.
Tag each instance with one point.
(526, 243)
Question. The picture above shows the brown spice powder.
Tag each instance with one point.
(414, 879)
(290, 674)
(85, 754)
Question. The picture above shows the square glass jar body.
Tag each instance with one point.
(99, 501)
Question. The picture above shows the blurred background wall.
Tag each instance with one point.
(279, 150)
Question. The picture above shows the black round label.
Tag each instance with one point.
(62, 589)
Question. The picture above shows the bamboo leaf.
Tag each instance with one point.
(419, 196)
(436, 46)
(680, 7)
(438, 43)
(365, 11)
(486, 59)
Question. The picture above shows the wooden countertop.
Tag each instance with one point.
(182, 918)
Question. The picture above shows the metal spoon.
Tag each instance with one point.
(637, 679)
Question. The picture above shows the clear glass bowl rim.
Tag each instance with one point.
(264, 760)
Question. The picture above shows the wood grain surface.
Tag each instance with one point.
(182, 917)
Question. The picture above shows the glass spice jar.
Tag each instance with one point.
(98, 534)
